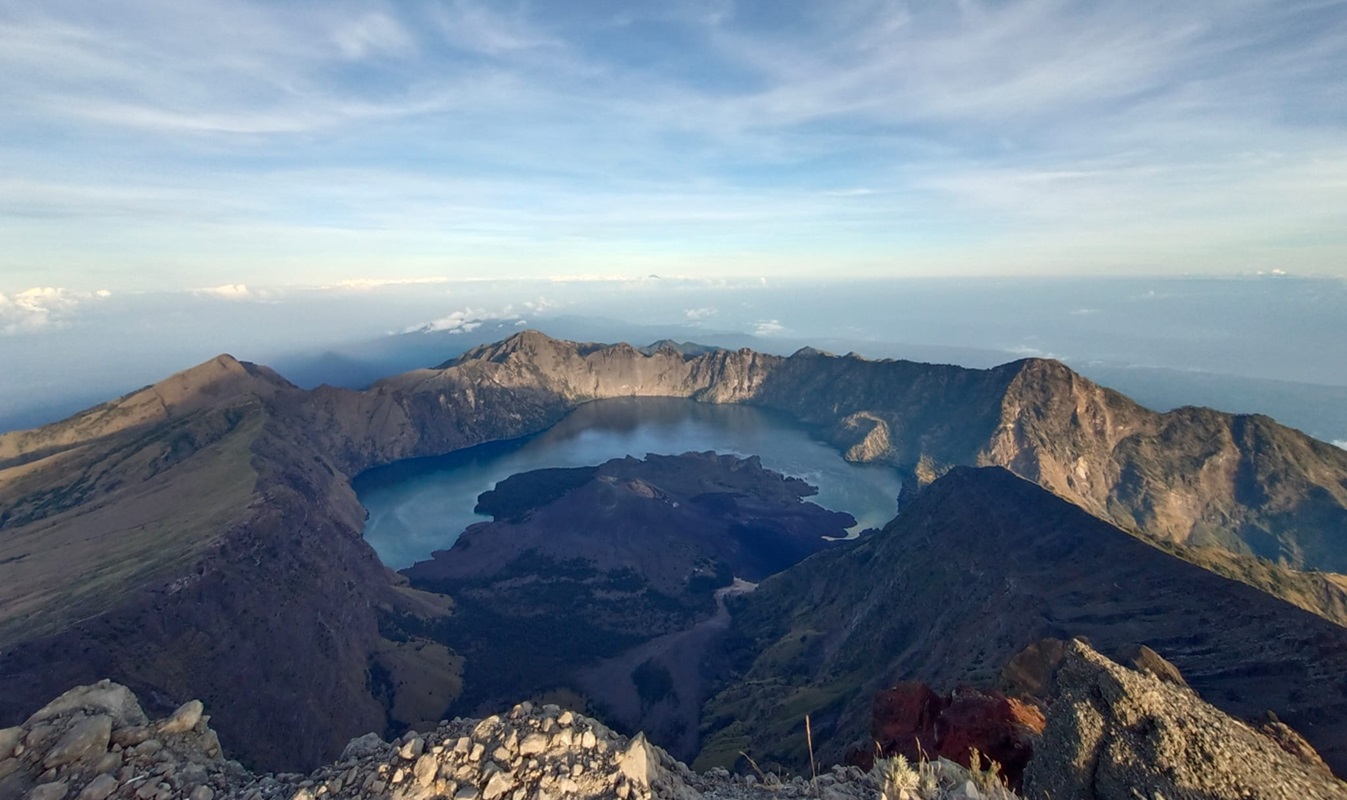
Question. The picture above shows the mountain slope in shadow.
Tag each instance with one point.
(978, 566)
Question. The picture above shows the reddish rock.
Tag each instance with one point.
(1001, 729)
(903, 720)
(913, 720)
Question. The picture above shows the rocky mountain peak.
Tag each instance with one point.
(221, 380)
(218, 379)
(528, 343)
(1114, 731)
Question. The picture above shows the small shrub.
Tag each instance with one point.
(896, 776)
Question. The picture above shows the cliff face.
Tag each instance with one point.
(205, 525)
(1192, 476)
(510, 389)
(978, 566)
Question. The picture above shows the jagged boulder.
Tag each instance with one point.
(1115, 733)
(94, 742)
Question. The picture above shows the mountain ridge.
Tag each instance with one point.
(979, 565)
(272, 465)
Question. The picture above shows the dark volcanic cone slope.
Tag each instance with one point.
(981, 564)
(582, 564)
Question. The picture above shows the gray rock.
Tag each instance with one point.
(99, 788)
(147, 748)
(131, 736)
(639, 763)
(182, 720)
(36, 738)
(363, 746)
(202, 793)
(49, 791)
(9, 737)
(533, 744)
(499, 784)
(1112, 729)
(87, 739)
(103, 697)
(107, 764)
(413, 748)
(9, 766)
(425, 770)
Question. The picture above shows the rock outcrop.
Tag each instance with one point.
(95, 743)
(1119, 734)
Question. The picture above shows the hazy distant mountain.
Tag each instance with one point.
(202, 532)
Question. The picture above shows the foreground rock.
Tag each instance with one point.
(1120, 733)
(95, 743)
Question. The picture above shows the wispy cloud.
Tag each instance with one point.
(464, 320)
(475, 139)
(238, 291)
(372, 34)
(228, 291)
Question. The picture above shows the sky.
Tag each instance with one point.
(227, 147)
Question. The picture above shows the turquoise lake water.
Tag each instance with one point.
(422, 505)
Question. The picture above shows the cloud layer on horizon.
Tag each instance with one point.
(41, 308)
(474, 139)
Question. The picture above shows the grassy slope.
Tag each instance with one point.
(142, 523)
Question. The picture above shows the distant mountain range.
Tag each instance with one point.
(201, 534)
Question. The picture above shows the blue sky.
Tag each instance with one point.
(169, 145)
